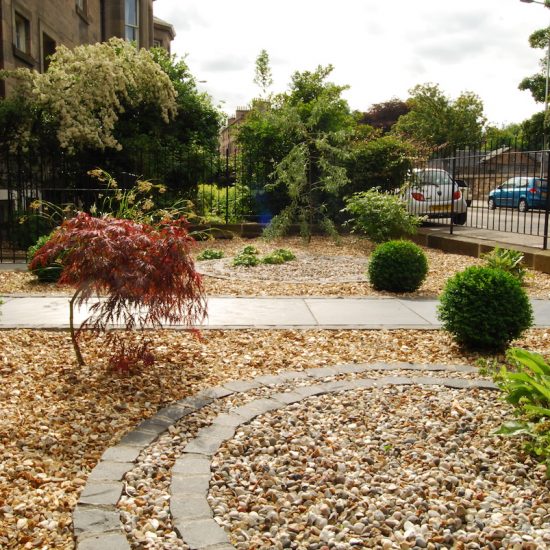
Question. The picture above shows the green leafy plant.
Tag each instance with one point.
(273, 259)
(245, 260)
(484, 308)
(380, 216)
(397, 266)
(227, 204)
(510, 261)
(50, 272)
(527, 386)
(279, 256)
(250, 249)
(210, 254)
(286, 254)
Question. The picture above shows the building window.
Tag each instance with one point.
(82, 7)
(132, 20)
(48, 49)
(22, 34)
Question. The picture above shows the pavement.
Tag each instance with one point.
(52, 312)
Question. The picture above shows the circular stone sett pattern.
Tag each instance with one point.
(304, 269)
(97, 521)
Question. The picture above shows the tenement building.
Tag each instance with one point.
(30, 30)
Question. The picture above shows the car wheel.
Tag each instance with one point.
(522, 205)
(492, 204)
(460, 219)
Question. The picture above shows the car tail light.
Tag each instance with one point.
(456, 195)
(418, 196)
(533, 190)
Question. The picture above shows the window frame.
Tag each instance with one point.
(19, 17)
(132, 26)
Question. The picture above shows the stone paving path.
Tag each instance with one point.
(52, 312)
(96, 518)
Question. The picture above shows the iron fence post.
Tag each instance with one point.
(546, 154)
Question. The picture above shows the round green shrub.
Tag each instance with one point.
(484, 308)
(50, 273)
(397, 266)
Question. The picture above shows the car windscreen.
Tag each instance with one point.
(432, 177)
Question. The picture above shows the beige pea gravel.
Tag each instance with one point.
(57, 419)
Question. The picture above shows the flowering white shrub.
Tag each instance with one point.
(85, 90)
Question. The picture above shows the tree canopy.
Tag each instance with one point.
(536, 83)
(384, 115)
(106, 96)
(436, 120)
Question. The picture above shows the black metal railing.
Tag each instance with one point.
(506, 187)
(232, 188)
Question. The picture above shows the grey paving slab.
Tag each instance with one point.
(265, 312)
(99, 493)
(110, 471)
(121, 453)
(541, 312)
(361, 312)
(201, 533)
(196, 485)
(52, 312)
(88, 519)
(104, 541)
(192, 465)
(190, 507)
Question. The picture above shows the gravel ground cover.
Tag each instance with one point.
(57, 418)
(400, 467)
(321, 260)
(145, 507)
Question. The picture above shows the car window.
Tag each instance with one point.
(434, 177)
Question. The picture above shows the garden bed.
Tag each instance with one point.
(320, 257)
(57, 418)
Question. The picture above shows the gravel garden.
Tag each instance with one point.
(378, 467)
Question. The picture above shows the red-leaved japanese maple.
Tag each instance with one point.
(145, 277)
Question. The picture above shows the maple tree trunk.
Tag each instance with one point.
(76, 347)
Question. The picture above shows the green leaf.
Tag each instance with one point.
(533, 361)
(512, 428)
(540, 411)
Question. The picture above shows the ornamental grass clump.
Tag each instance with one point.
(397, 266)
(144, 274)
(484, 308)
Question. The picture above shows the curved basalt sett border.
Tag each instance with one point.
(96, 519)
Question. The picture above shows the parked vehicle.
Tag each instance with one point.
(432, 193)
(465, 190)
(520, 192)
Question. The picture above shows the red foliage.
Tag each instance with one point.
(145, 275)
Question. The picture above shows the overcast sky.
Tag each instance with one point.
(380, 48)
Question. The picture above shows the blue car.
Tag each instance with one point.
(520, 192)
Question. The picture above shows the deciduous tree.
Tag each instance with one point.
(436, 120)
(144, 274)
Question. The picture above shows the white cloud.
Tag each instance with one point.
(381, 48)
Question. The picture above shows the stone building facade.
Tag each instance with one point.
(30, 30)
